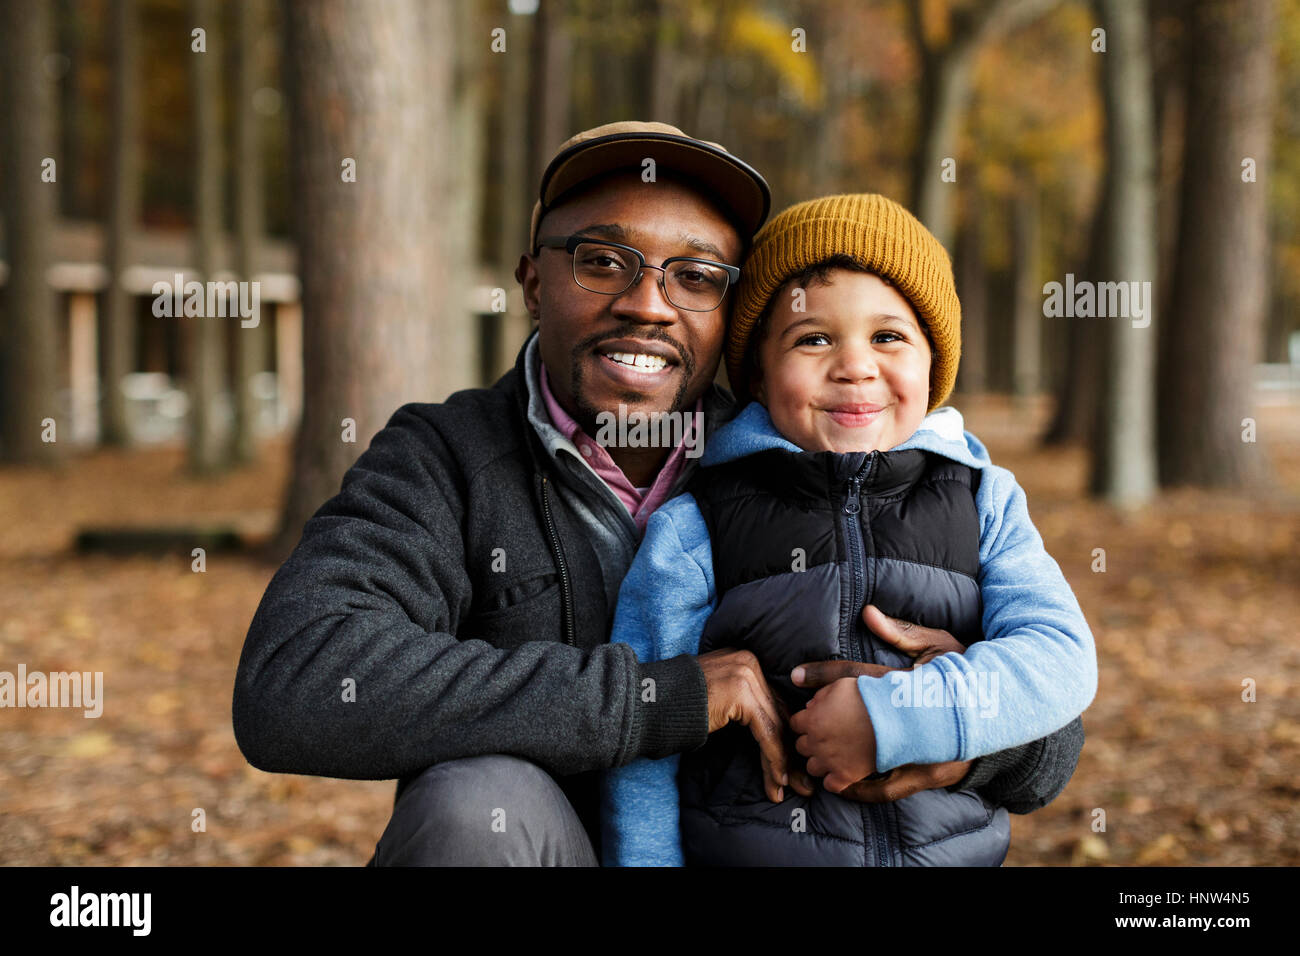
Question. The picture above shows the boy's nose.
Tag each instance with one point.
(854, 364)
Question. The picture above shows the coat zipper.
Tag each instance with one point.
(852, 507)
(566, 598)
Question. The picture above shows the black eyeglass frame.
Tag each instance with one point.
(570, 245)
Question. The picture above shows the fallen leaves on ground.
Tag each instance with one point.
(1199, 598)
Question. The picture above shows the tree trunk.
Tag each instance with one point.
(1027, 342)
(1171, 122)
(945, 91)
(461, 364)
(517, 192)
(250, 341)
(207, 335)
(1221, 274)
(1124, 465)
(551, 91)
(74, 197)
(972, 284)
(713, 104)
(546, 97)
(823, 163)
(28, 357)
(123, 215)
(373, 254)
(1079, 396)
(666, 37)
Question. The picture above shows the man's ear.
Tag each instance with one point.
(526, 276)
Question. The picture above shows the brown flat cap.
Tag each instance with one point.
(735, 185)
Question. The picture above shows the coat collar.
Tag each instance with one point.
(783, 467)
(719, 408)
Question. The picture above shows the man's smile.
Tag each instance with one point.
(638, 362)
(644, 365)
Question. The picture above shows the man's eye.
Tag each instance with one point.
(607, 260)
(697, 276)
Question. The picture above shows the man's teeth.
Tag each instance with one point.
(647, 363)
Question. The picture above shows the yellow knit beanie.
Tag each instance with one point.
(882, 237)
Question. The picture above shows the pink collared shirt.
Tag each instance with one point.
(640, 503)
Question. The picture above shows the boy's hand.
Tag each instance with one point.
(835, 733)
(922, 644)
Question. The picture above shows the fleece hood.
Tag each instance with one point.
(941, 432)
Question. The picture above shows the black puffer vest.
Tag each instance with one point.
(801, 543)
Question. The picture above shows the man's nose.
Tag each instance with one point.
(645, 299)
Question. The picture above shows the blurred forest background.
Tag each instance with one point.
(372, 167)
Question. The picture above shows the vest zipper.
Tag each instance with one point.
(873, 815)
(853, 532)
(566, 598)
(853, 503)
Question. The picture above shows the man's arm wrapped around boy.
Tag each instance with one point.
(1037, 657)
(1029, 777)
(372, 593)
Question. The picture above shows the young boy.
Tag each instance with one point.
(838, 487)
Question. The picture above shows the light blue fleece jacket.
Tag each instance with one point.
(1037, 645)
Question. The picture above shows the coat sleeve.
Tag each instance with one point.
(663, 605)
(1034, 672)
(353, 666)
(1029, 777)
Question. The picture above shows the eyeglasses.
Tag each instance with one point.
(696, 285)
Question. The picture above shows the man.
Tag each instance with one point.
(445, 618)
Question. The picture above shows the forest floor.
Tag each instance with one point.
(1200, 593)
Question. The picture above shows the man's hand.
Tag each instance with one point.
(836, 735)
(922, 644)
(906, 780)
(738, 692)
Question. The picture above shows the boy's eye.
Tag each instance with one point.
(811, 338)
(816, 338)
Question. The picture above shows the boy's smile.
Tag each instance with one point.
(851, 372)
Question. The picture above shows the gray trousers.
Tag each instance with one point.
(493, 810)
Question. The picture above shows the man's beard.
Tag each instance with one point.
(587, 413)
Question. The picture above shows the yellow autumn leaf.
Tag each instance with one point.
(770, 40)
(1163, 848)
(1285, 731)
(76, 624)
(93, 743)
(1090, 848)
(162, 703)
